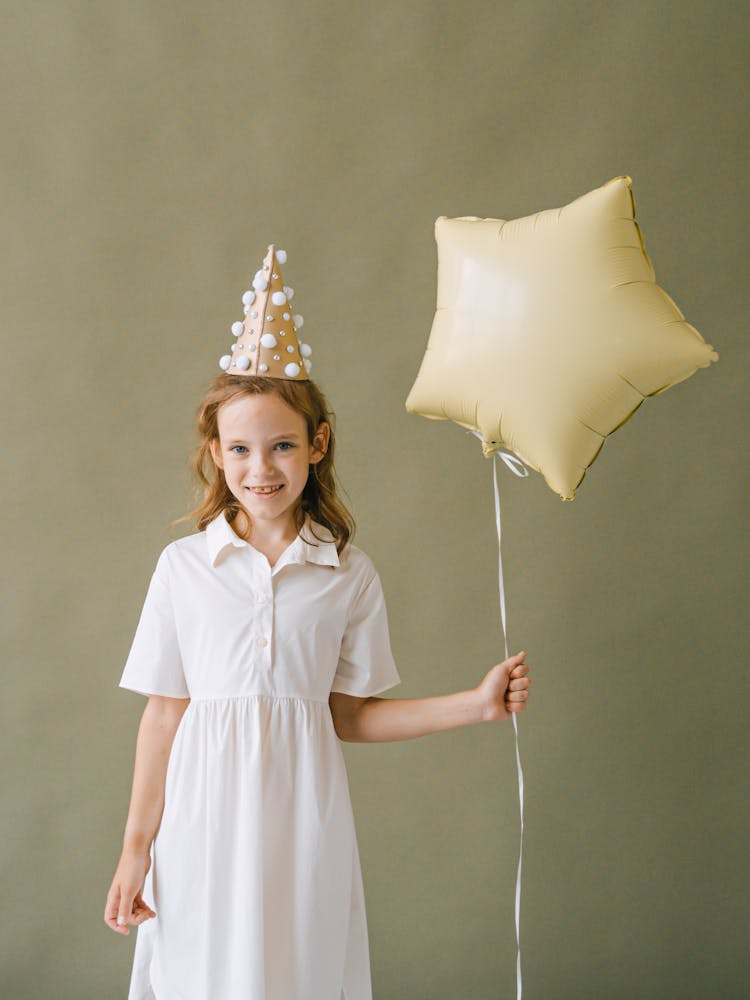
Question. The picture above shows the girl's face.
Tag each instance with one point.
(266, 456)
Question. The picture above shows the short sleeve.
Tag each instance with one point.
(366, 665)
(154, 663)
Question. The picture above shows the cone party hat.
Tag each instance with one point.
(266, 342)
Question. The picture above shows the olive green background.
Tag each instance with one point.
(150, 152)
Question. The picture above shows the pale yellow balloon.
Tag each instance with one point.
(550, 331)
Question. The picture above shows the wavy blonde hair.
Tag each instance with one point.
(320, 497)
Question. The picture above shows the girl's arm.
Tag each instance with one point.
(156, 733)
(376, 720)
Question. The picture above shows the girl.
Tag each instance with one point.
(263, 641)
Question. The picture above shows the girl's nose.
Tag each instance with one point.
(262, 465)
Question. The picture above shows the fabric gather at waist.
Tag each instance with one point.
(198, 700)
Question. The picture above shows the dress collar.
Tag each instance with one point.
(305, 548)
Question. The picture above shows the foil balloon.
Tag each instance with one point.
(550, 331)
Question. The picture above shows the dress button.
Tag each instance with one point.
(261, 599)
(262, 641)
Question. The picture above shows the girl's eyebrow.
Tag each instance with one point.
(276, 437)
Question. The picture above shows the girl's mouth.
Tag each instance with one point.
(264, 491)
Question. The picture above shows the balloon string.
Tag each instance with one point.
(515, 724)
(517, 467)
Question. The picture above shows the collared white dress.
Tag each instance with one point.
(255, 875)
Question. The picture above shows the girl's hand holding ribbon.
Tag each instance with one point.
(505, 689)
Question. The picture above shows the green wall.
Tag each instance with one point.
(151, 151)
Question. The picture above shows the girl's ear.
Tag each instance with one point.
(215, 452)
(321, 439)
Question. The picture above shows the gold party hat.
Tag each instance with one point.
(267, 342)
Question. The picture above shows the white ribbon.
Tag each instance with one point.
(517, 467)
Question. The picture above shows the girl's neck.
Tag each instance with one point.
(265, 536)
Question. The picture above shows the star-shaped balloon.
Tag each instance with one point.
(550, 331)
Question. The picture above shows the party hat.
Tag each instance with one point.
(267, 342)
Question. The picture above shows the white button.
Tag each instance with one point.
(262, 599)
(262, 641)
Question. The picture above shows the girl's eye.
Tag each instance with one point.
(282, 444)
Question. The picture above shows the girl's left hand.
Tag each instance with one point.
(505, 689)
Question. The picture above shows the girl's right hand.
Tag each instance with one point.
(124, 899)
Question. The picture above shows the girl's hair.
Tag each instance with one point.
(319, 499)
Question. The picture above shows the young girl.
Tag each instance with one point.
(263, 641)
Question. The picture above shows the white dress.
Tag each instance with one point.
(255, 874)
